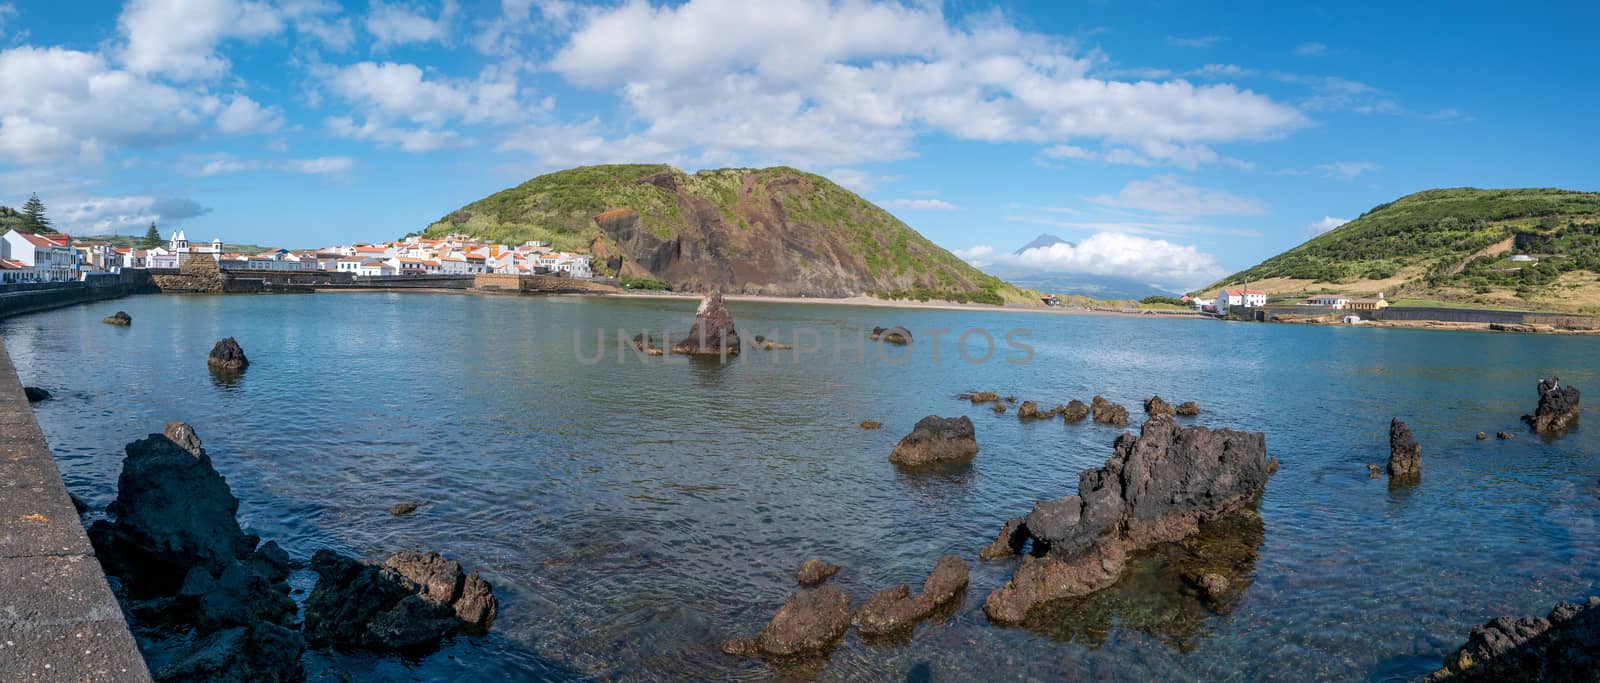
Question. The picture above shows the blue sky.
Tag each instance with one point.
(1170, 141)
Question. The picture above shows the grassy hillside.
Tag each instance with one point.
(1454, 245)
(730, 227)
(137, 242)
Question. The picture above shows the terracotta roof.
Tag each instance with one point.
(1232, 292)
(11, 265)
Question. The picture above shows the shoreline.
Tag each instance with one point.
(862, 301)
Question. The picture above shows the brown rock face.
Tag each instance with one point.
(871, 424)
(227, 356)
(1157, 487)
(937, 440)
(1405, 454)
(810, 621)
(814, 572)
(893, 609)
(981, 397)
(1562, 647)
(120, 319)
(712, 333)
(411, 602)
(1154, 406)
(1106, 412)
(1558, 408)
(1075, 411)
(891, 335)
(1187, 409)
(1029, 411)
(646, 344)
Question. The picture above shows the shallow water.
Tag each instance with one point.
(632, 514)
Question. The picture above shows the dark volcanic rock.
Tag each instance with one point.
(120, 318)
(1008, 542)
(809, 622)
(403, 509)
(411, 603)
(814, 572)
(892, 335)
(999, 408)
(1558, 408)
(262, 652)
(1405, 454)
(1157, 487)
(239, 597)
(871, 424)
(1075, 411)
(227, 356)
(646, 344)
(1154, 406)
(982, 397)
(1107, 412)
(712, 333)
(35, 394)
(1482, 436)
(937, 440)
(894, 610)
(1030, 411)
(1504, 435)
(1187, 409)
(1563, 647)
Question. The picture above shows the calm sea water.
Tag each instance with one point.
(632, 515)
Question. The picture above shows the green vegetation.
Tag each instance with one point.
(31, 218)
(559, 208)
(988, 296)
(152, 237)
(132, 242)
(1435, 303)
(1156, 299)
(1433, 232)
(644, 283)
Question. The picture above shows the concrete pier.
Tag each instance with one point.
(58, 618)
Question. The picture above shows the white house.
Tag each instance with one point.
(1250, 298)
(1334, 301)
(574, 265)
(374, 268)
(50, 258)
(1201, 304)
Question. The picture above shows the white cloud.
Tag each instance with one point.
(244, 116)
(1310, 49)
(102, 215)
(312, 18)
(402, 23)
(504, 35)
(179, 38)
(214, 165)
(7, 10)
(415, 140)
(1110, 253)
(402, 106)
(1327, 223)
(823, 83)
(1346, 170)
(319, 165)
(1201, 41)
(77, 105)
(1165, 194)
(921, 204)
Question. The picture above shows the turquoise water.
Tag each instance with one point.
(633, 514)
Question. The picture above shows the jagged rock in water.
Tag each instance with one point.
(260, 653)
(937, 440)
(35, 394)
(893, 609)
(814, 572)
(1504, 436)
(1029, 411)
(1156, 487)
(1405, 454)
(871, 424)
(892, 335)
(1482, 436)
(410, 603)
(712, 333)
(981, 397)
(240, 596)
(1374, 471)
(646, 344)
(1562, 647)
(1212, 587)
(1187, 409)
(227, 356)
(1154, 406)
(1075, 411)
(1106, 412)
(173, 511)
(810, 622)
(403, 509)
(999, 408)
(1557, 410)
(120, 318)
(1008, 542)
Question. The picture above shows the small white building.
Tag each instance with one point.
(1334, 301)
(1248, 298)
(49, 258)
(374, 268)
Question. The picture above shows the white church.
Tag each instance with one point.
(178, 251)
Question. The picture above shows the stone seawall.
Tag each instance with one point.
(43, 297)
(58, 618)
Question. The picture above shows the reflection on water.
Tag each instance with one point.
(633, 514)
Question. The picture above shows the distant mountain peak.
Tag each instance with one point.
(1044, 240)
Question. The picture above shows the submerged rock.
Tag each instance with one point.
(1156, 487)
(999, 408)
(814, 572)
(1405, 454)
(1482, 436)
(1154, 406)
(260, 652)
(893, 609)
(227, 356)
(1187, 409)
(937, 440)
(35, 394)
(646, 344)
(810, 622)
(120, 318)
(982, 397)
(410, 603)
(403, 509)
(1075, 411)
(1030, 411)
(871, 424)
(1504, 435)
(1557, 410)
(1008, 542)
(891, 335)
(712, 333)
(1106, 412)
(1562, 647)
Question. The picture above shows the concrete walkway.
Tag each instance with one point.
(58, 618)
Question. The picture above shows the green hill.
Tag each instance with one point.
(773, 231)
(1453, 245)
(137, 242)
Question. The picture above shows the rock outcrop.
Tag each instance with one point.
(410, 603)
(35, 394)
(977, 397)
(227, 356)
(1564, 646)
(1154, 406)
(1075, 411)
(813, 572)
(891, 335)
(403, 509)
(1187, 409)
(645, 344)
(1557, 410)
(937, 441)
(810, 622)
(120, 319)
(260, 652)
(1156, 487)
(1405, 454)
(713, 333)
(893, 610)
(1030, 411)
(871, 424)
(1106, 412)
(766, 344)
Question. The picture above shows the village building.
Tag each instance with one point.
(1247, 298)
(47, 258)
(1373, 304)
(1334, 301)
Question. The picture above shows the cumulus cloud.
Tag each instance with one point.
(1346, 170)
(101, 215)
(826, 83)
(921, 204)
(1165, 194)
(179, 38)
(1327, 223)
(223, 164)
(402, 23)
(1110, 253)
(244, 116)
